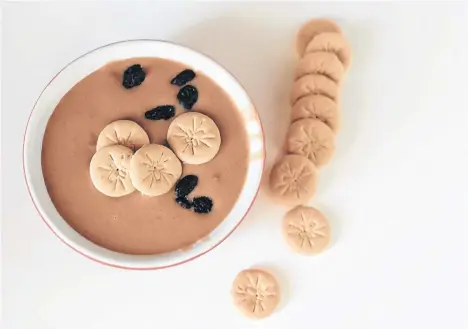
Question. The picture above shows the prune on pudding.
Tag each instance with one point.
(202, 204)
(162, 112)
(133, 76)
(186, 185)
(183, 78)
(184, 202)
(187, 96)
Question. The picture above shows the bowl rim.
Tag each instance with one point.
(114, 265)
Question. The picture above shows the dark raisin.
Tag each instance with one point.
(133, 76)
(183, 78)
(202, 204)
(186, 185)
(187, 96)
(162, 112)
(184, 203)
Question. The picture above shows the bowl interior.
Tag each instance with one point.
(88, 63)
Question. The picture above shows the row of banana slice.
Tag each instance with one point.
(325, 55)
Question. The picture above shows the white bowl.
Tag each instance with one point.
(88, 63)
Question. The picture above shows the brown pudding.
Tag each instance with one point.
(137, 224)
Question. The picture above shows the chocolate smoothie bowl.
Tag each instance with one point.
(143, 154)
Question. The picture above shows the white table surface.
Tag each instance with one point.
(396, 192)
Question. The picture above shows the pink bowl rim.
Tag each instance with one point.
(42, 216)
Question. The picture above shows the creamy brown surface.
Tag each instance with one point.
(137, 224)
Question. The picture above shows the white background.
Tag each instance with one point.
(395, 194)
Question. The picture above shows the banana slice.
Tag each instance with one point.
(323, 63)
(256, 293)
(109, 170)
(311, 29)
(331, 42)
(194, 137)
(313, 139)
(317, 107)
(314, 84)
(306, 230)
(154, 170)
(293, 180)
(123, 132)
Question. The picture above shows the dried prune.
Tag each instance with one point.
(184, 203)
(187, 96)
(183, 78)
(133, 76)
(202, 204)
(162, 112)
(186, 185)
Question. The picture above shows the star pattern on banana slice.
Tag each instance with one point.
(308, 229)
(194, 136)
(157, 169)
(294, 180)
(116, 173)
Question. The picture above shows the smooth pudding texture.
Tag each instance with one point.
(137, 224)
